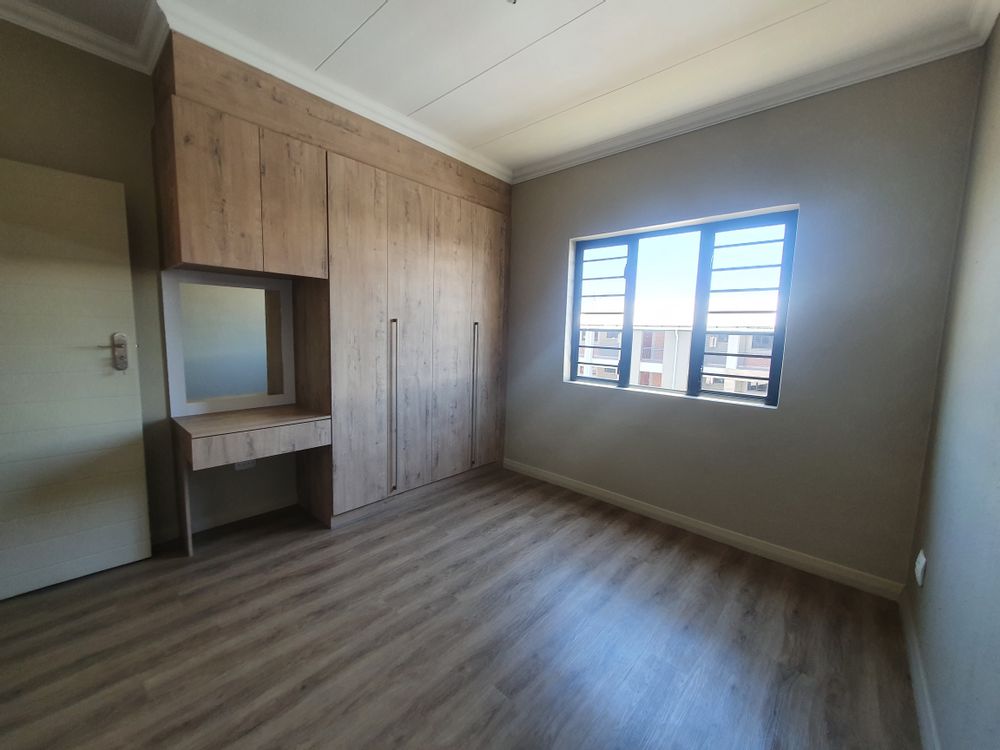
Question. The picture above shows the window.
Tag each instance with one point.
(695, 309)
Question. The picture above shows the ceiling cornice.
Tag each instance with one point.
(946, 42)
(205, 30)
(139, 56)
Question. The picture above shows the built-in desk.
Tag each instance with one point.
(208, 440)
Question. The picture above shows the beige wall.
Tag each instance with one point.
(69, 110)
(956, 615)
(835, 470)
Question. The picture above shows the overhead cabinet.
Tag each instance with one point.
(293, 200)
(237, 196)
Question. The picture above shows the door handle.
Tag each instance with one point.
(393, 403)
(119, 351)
(475, 388)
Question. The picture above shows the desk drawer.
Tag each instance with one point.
(220, 450)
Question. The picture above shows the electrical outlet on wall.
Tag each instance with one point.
(919, 566)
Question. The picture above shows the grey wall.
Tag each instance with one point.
(835, 471)
(69, 110)
(956, 615)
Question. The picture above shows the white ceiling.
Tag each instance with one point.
(523, 89)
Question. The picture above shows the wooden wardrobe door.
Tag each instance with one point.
(358, 332)
(217, 189)
(451, 405)
(489, 282)
(411, 317)
(293, 197)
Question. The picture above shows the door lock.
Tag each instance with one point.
(119, 351)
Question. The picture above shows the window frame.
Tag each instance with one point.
(709, 230)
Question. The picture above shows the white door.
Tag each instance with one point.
(72, 474)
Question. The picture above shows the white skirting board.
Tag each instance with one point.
(835, 572)
(921, 691)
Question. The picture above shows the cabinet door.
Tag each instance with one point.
(489, 282)
(451, 406)
(293, 197)
(411, 316)
(217, 174)
(358, 332)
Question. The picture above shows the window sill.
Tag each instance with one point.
(720, 399)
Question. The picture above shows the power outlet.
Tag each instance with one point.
(244, 465)
(919, 567)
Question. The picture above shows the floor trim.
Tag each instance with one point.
(918, 677)
(834, 571)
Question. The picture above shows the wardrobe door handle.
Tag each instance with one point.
(393, 403)
(475, 388)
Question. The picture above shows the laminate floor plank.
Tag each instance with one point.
(486, 611)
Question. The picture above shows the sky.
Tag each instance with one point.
(666, 277)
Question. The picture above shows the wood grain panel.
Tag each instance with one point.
(204, 75)
(231, 448)
(487, 612)
(182, 480)
(451, 405)
(165, 176)
(315, 482)
(293, 196)
(311, 327)
(410, 295)
(272, 341)
(217, 172)
(489, 299)
(226, 422)
(358, 332)
(313, 390)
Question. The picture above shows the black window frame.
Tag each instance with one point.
(703, 291)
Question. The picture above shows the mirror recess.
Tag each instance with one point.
(229, 341)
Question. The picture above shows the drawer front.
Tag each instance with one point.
(220, 450)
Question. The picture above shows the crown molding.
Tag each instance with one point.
(195, 25)
(946, 42)
(140, 56)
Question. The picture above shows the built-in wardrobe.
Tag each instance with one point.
(417, 282)
(398, 256)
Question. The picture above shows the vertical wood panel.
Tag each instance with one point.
(489, 284)
(451, 407)
(358, 332)
(165, 172)
(313, 391)
(293, 197)
(272, 341)
(411, 285)
(183, 490)
(217, 167)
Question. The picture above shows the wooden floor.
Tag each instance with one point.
(494, 611)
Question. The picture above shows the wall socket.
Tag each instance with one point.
(919, 567)
(244, 465)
